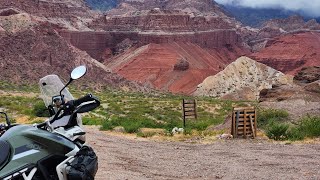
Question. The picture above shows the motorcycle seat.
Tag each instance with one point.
(4, 151)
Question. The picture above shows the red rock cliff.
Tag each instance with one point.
(291, 52)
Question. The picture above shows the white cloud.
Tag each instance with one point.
(309, 7)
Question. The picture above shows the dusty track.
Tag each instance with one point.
(128, 158)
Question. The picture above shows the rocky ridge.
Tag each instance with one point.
(30, 49)
(289, 53)
(242, 79)
(257, 38)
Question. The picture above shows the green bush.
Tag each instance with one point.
(145, 135)
(266, 116)
(294, 134)
(91, 120)
(277, 131)
(310, 126)
(106, 125)
(40, 110)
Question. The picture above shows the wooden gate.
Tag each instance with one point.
(189, 108)
(244, 122)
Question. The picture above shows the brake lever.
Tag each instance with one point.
(49, 127)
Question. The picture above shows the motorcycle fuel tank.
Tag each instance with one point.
(28, 145)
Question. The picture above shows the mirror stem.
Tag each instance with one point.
(65, 86)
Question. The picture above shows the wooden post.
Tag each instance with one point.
(255, 122)
(245, 124)
(195, 109)
(252, 128)
(233, 126)
(237, 123)
(184, 114)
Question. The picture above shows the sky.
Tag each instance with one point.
(308, 7)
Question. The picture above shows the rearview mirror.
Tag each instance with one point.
(78, 72)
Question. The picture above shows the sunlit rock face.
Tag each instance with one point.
(242, 79)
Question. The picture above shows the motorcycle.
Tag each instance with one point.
(55, 149)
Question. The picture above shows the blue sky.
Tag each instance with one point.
(308, 7)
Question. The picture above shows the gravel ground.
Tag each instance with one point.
(129, 158)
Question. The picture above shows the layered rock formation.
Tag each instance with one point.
(257, 39)
(195, 7)
(49, 8)
(174, 22)
(28, 55)
(289, 53)
(165, 20)
(156, 65)
(145, 47)
(308, 74)
(95, 43)
(292, 23)
(242, 79)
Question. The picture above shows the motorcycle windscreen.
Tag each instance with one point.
(51, 86)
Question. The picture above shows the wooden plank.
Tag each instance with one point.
(233, 125)
(245, 120)
(237, 122)
(189, 103)
(255, 123)
(189, 110)
(242, 121)
(243, 108)
(252, 127)
(189, 113)
(188, 106)
(195, 109)
(184, 117)
(242, 115)
(248, 128)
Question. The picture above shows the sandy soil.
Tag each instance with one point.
(135, 158)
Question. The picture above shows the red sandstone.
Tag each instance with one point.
(291, 52)
(154, 64)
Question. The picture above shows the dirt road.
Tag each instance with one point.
(136, 159)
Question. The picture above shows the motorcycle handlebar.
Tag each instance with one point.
(71, 105)
(41, 125)
(86, 98)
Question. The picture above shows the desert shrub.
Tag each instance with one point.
(146, 134)
(92, 120)
(310, 126)
(266, 116)
(187, 131)
(40, 110)
(277, 131)
(106, 125)
(294, 134)
(130, 124)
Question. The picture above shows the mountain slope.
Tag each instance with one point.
(175, 67)
(291, 52)
(254, 17)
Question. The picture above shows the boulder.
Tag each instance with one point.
(181, 65)
(308, 74)
(313, 87)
